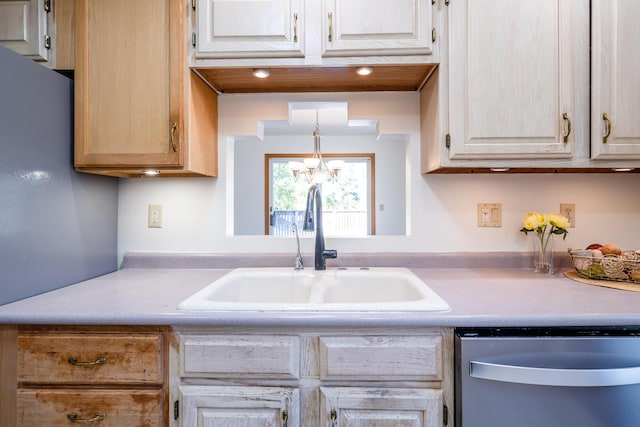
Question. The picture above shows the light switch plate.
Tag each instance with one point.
(489, 214)
(569, 211)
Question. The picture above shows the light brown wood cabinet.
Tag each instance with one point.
(68, 375)
(138, 107)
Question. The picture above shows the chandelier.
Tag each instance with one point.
(315, 169)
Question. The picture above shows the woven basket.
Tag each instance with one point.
(624, 267)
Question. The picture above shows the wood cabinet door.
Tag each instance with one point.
(380, 407)
(244, 28)
(215, 406)
(377, 27)
(615, 85)
(24, 28)
(511, 90)
(129, 83)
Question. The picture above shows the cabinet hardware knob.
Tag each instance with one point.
(295, 28)
(285, 418)
(334, 418)
(330, 27)
(566, 118)
(174, 144)
(98, 361)
(74, 418)
(607, 132)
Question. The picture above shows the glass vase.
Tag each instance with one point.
(543, 253)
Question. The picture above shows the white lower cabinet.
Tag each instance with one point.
(313, 378)
(380, 407)
(239, 406)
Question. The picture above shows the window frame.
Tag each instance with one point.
(267, 180)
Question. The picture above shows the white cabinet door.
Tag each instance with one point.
(377, 27)
(615, 74)
(511, 90)
(215, 406)
(245, 28)
(23, 27)
(380, 407)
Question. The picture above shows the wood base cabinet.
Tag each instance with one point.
(240, 406)
(314, 378)
(106, 408)
(96, 376)
(360, 407)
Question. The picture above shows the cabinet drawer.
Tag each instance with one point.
(240, 356)
(381, 358)
(90, 358)
(48, 407)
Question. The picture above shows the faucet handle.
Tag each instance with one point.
(329, 253)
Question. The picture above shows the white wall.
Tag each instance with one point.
(442, 215)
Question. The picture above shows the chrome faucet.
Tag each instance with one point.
(298, 265)
(309, 221)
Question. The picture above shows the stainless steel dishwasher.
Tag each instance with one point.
(547, 377)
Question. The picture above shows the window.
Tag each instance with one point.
(348, 205)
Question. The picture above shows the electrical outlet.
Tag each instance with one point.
(569, 211)
(489, 214)
(154, 219)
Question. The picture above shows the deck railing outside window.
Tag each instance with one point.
(335, 222)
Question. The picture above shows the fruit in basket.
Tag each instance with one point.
(596, 270)
(594, 246)
(611, 249)
(596, 253)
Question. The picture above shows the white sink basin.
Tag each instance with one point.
(285, 289)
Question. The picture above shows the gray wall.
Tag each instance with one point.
(57, 227)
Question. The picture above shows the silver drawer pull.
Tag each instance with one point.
(98, 361)
(74, 418)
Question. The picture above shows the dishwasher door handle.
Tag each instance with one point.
(554, 376)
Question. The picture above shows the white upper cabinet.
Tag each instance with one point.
(314, 32)
(511, 83)
(245, 28)
(615, 74)
(377, 27)
(23, 27)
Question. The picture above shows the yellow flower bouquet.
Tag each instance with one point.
(545, 226)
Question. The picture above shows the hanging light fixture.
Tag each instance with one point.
(314, 168)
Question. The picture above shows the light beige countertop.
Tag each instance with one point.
(145, 292)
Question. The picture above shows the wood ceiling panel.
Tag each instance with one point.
(318, 79)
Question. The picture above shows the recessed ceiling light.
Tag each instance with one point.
(261, 73)
(499, 169)
(364, 71)
(622, 169)
(151, 172)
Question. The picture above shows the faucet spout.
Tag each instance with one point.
(314, 221)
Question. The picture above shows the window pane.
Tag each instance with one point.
(346, 204)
